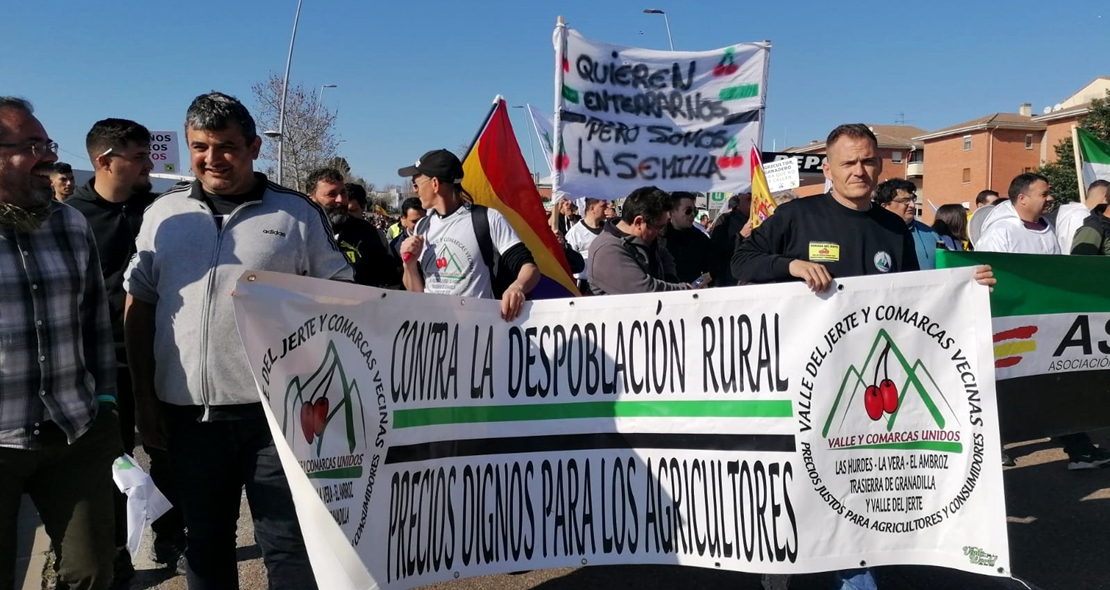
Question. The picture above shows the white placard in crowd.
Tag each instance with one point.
(756, 428)
(782, 175)
(683, 121)
(165, 152)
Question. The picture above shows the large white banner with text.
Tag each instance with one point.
(683, 121)
(756, 428)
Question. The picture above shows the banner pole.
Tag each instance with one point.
(1078, 162)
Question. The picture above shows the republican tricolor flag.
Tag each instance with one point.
(496, 175)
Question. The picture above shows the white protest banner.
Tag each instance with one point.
(782, 175)
(757, 428)
(683, 121)
(545, 131)
(165, 152)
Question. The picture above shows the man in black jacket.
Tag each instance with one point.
(113, 202)
(360, 242)
(691, 249)
(731, 227)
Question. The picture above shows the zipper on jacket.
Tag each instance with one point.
(206, 416)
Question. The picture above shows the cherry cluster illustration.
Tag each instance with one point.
(881, 398)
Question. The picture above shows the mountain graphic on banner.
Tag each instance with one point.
(316, 399)
(917, 393)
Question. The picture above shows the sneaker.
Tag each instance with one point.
(167, 553)
(1091, 458)
(1007, 461)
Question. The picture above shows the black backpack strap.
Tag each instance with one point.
(479, 216)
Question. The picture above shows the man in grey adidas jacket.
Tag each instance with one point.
(194, 392)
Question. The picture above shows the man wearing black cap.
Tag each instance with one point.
(447, 254)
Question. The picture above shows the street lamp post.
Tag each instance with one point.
(666, 21)
(531, 148)
(320, 97)
(284, 93)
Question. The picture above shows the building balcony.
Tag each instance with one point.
(915, 169)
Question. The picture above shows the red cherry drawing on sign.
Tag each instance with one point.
(307, 421)
(319, 415)
(873, 402)
(441, 263)
(889, 393)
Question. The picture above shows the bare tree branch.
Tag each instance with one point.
(309, 136)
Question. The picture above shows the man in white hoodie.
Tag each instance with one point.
(1018, 226)
(1072, 215)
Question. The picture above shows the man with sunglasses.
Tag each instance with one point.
(444, 254)
(113, 202)
(626, 257)
(690, 247)
(59, 432)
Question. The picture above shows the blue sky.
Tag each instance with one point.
(414, 76)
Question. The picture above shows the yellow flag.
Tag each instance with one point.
(763, 205)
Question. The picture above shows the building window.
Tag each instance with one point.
(967, 143)
(895, 157)
(967, 175)
(1028, 141)
(917, 156)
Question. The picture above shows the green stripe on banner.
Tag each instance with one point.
(1030, 284)
(739, 92)
(921, 445)
(570, 94)
(571, 411)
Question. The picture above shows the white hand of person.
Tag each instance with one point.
(816, 276)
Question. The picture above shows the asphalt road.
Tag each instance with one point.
(1058, 523)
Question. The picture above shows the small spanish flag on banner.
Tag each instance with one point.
(496, 175)
(763, 205)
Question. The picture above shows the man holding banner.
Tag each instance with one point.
(448, 252)
(836, 235)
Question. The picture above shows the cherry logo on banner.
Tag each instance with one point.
(727, 66)
(881, 398)
(731, 158)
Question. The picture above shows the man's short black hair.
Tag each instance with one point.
(854, 131)
(677, 196)
(984, 196)
(887, 191)
(114, 134)
(1021, 183)
(357, 193)
(1100, 183)
(409, 204)
(648, 202)
(329, 174)
(14, 103)
(62, 168)
(217, 111)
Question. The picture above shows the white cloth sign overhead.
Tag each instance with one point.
(683, 121)
(756, 428)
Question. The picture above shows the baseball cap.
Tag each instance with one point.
(441, 164)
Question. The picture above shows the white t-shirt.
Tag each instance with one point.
(452, 261)
(579, 239)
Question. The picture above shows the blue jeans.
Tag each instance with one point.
(855, 580)
(212, 462)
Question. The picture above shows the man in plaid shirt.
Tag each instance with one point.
(59, 433)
